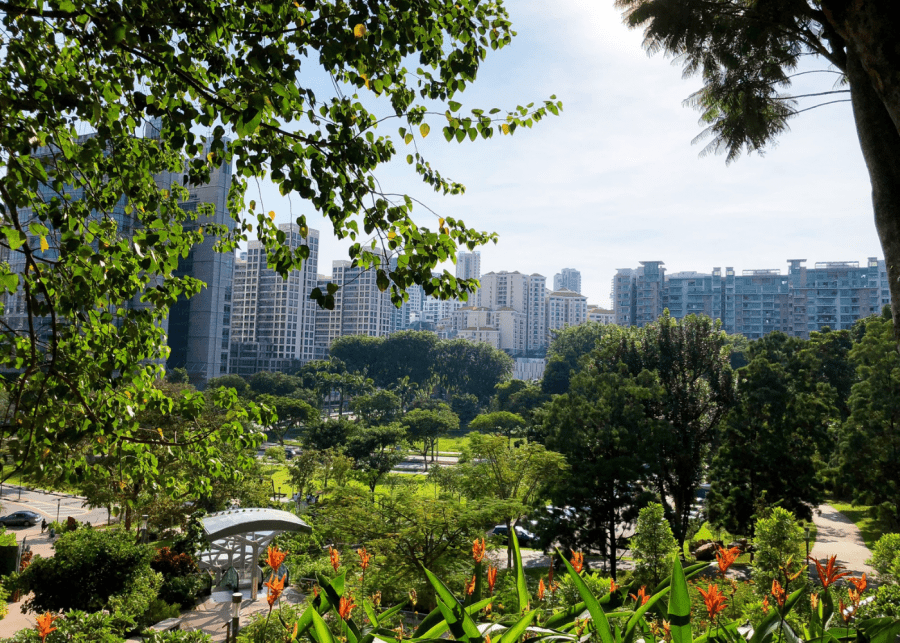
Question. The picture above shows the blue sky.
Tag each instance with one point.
(615, 179)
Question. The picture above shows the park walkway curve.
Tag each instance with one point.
(838, 536)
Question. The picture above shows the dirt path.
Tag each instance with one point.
(838, 536)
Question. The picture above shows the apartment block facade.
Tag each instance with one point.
(757, 302)
(524, 294)
(359, 307)
(273, 319)
(568, 278)
(468, 265)
(565, 308)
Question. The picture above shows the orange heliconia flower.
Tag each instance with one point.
(577, 561)
(859, 583)
(541, 590)
(854, 596)
(44, 625)
(641, 596)
(491, 577)
(726, 558)
(765, 605)
(470, 586)
(364, 558)
(478, 550)
(275, 587)
(714, 601)
(335, 558)
(346, 607)
(612, 586)
(846, 613)
(830, 572)
(274, 557)
(778, 593)
(814, 601)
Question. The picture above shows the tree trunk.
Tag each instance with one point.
(880, 143)
(612, 547)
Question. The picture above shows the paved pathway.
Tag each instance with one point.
(838, 536)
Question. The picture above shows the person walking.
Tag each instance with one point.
(43, 524)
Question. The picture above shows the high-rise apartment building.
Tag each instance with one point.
(565, 308)
(199, 329)
(524, 294)
(569, 278)
(468, 265)
(601, 315)
(272, 318)
(757, 302)
(359, 307)
(504, 328)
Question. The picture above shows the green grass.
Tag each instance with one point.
(870, 528)
(454, 444)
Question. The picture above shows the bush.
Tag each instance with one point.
(653, 546)
(178, 636)
(7, 538)
(276, 454)
(885, 556)
(886, 603)
(184, 590)
(778, 539)
(262, 628)
(130, 608)
(4, 608)
(89, 568)
(75, 625)
(159, 610)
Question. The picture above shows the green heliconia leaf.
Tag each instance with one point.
(458, 619)
(727, 632)
(680, 606)
(630, 627)
(771, 623)
(434, 624)
(518, 628)
(521, 587)
(320, 628)
(880, 630)
(601, 624)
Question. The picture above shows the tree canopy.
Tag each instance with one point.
(227, 85)
(748, 54)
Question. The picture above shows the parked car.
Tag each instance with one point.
(26, 518)
(526, 538)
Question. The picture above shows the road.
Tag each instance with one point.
(50, 505)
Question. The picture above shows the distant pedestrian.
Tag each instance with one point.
(43, 524)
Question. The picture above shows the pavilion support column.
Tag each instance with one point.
(254, 572)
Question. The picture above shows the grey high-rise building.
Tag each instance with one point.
(834, 294)
(273, 319)
(199, 329)
(569, 278)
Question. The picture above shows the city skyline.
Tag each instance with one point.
(615, 177)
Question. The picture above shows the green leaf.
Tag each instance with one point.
(454, 106)
(521, 586)
(630, 627)
(14, 238)
(680, 606)
(880, 630)
(323, 634)
(424, 129)
(518, 628)
(601, 624)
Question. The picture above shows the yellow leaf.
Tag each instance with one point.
(391, 234)
(359, 30)
(424, 129)
(272, 214)
(128, 394)
(210, 156)
(44, 245)
(297, 4)
(408, 139)
(366, 79)
(441, 222)
(161, 434)
(505, 128)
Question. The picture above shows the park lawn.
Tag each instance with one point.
(869, 527)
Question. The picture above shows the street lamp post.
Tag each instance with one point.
(58, 501)
(145, 535)
(235, 615)
(806, 531)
